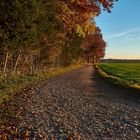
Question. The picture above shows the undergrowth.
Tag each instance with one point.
(15, 84)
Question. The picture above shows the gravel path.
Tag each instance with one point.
(77, 106)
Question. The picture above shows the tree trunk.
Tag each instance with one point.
(22, 70)
(15, 67)
(5, 66)
(94, 60)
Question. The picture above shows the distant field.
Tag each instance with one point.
(126, 71)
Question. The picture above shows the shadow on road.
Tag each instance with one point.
(100, 88)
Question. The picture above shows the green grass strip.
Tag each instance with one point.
(116, 80)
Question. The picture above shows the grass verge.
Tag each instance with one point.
(117, 81)
(17, 84)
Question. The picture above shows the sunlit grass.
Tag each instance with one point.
(126, 71)
(122, 74)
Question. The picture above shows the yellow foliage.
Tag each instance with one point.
(89, 28)
(80, 31)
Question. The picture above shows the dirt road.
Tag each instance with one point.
(78, 105)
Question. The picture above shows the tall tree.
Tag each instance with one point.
(35, 33)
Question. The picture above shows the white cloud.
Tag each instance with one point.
(125, 34)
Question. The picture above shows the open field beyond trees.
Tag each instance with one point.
(130, 72)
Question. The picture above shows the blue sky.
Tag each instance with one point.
(121, 29)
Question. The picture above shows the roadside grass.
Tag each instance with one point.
(122, 74)
(17, 84)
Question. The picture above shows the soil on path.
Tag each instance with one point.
(78, 105)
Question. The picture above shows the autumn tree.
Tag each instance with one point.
(93, 46)
(39, 34)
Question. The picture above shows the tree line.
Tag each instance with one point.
(38, 34)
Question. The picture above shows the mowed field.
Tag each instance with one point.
(129, 72)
